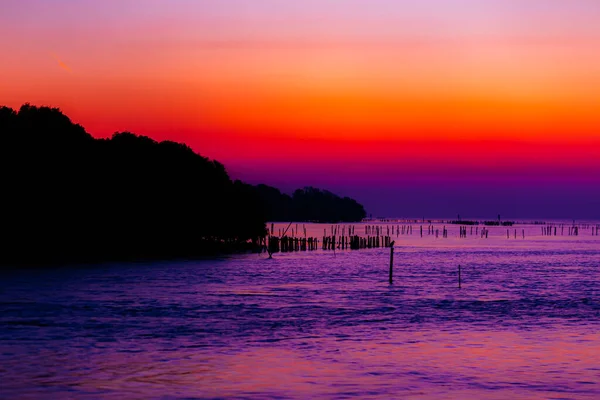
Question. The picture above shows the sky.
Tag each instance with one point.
(429, 108)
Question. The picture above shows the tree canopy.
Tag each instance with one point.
(68, 196)
(309, 204)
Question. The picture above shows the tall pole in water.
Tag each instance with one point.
(392, 262)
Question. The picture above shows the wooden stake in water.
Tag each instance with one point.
(392, 262)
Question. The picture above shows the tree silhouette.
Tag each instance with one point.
(68, 197)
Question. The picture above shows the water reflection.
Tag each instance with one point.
(525, 325)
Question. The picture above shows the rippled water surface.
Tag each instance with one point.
(524, 325)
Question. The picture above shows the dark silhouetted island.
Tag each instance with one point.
(68, 197)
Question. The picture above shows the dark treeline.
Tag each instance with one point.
(309, 204)
(69, 197)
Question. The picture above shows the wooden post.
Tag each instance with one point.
(268, 247)
(392, 262)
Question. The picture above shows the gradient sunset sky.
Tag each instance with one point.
(430, 107)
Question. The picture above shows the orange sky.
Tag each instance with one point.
(511, 91)
(244, 81)
(481, 72)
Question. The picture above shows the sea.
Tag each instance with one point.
(524, 324)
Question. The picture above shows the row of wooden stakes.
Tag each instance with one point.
(571, 230)
(355, 242)
(287, 244)
(276, 244)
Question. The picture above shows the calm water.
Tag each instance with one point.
(525, 324)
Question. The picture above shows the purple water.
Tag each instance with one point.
(524, 325)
